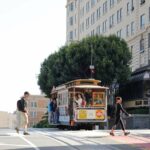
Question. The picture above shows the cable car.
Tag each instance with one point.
(81, 103)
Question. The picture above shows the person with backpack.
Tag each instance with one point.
(118, 116)
(22, 113)
(50, 108)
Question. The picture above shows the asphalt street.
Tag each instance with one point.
(54, 139)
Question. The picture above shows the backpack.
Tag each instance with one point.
(20, 105)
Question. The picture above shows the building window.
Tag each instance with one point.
(141, 45)
(92, 18)
(112, 3)
(127, 30)
(75, 3)
(104, 26)
(71, 21)
(92, 33)
(149, 14)
(75, 18)
(33, 114)
(119, 15)
(148, 40)
(131, 50)
(92, 3)
(128, 8)
(82, 12)
(142, 2)
(71, 6)
(75, 33)
(87, 22)
(132, 27)
(33, 104)
(82, 26)
(105, 7)
(132, 5)
(98, 30)
(142, 21)
(119, 33)
(111, 21)
(87, 7)
(98, 13)
(71, 35)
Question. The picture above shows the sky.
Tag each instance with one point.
(30, 30)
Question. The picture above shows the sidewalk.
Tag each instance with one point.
(137, 138)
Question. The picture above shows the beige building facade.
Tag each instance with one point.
(128, 19)
(7, 119)
(37, 107)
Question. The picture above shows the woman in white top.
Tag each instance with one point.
(79, 100)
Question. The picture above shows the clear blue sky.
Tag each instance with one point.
(30, 30)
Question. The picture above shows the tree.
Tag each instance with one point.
(110, 56)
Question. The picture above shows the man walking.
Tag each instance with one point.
(22, 113)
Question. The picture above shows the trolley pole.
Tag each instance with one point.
(149, 111)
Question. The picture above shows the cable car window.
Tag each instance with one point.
(98, 98)
(138, 102)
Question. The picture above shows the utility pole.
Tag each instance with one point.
(92, 66)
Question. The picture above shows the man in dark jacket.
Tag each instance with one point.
(118, 116)
(22, 113)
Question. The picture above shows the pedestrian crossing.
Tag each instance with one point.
(135, 141)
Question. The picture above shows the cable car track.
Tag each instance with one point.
(80, 140)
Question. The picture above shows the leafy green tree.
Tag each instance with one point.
(44, 122)
(110, 56)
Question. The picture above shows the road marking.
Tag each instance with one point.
(31, 144)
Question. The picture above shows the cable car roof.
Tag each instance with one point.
(88, 87)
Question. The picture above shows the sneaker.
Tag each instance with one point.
(26, 133)
(126, 133)
(111, 133)
(17, 130)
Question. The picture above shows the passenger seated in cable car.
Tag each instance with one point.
(83, 104)
(80, 100)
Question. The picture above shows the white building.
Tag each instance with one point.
(128, 19)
